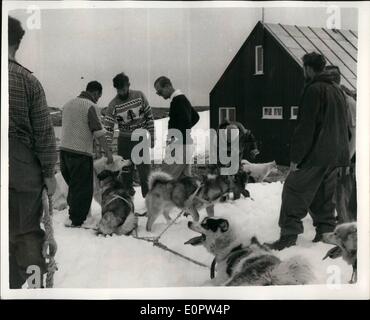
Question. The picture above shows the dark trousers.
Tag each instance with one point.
(178, 170)
(125, 146)
(346, 201)
(25, 211)
(308, 190)
(77, 171)
(25, 259)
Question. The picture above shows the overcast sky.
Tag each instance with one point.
(191, 46)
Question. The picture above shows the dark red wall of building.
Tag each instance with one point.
(280, 85)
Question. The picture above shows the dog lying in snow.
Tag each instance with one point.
(250, 264)
(117, 206)
(259, 171)
(344, 238)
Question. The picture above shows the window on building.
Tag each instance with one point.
(226, 114)
(259, 59)
(272, 112)
(293, 112)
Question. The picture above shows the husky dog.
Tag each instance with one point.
(166, 193)
(250, 264)
(60, 195)
(236, 183)
(190, 194)
(119, 165)
(117, 206)
(259, 171)
(114, 196)
(344, 238)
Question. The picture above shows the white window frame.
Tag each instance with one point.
(292, 115)
(272, 115)
(227, 113)
(257, 72)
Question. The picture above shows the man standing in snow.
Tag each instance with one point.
(319, 146)
(131, 110)
(183, 117)
(346, 202)
(80, 125)
(32, 159)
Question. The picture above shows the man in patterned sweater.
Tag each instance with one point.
(130, 110)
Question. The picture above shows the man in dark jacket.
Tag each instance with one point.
(182, 117)
(319, 147)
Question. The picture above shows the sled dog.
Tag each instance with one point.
(118, 215)
(189, 194)
(245, 264)
(344, 238)
(60, 195)
(259, 171)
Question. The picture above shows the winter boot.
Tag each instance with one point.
(285, 241)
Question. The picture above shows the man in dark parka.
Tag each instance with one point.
(319, 146)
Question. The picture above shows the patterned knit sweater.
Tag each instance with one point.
(132, 113)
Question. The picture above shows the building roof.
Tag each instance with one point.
(337, 45)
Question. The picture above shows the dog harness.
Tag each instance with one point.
(213, 265)
(115, 197)
(204, 201)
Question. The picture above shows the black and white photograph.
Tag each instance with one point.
(204, 150)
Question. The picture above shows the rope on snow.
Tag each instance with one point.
(155, 241)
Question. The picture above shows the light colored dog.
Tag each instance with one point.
(60, 195)
(259, 171)
(246, 264)
(191, 193)
(344, 238)
(187, 193)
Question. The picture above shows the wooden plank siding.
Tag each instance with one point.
(280, 85)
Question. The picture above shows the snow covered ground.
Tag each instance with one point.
(199, 134)
(89, 261)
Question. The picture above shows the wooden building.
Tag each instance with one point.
(262, 85)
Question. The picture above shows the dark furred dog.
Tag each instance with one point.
(117, 207)
(235, 184)
(246, 264)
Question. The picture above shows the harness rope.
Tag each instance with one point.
(49, 239)
(157, 243)
(115, 197)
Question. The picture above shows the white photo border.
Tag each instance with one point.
(360, 290)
